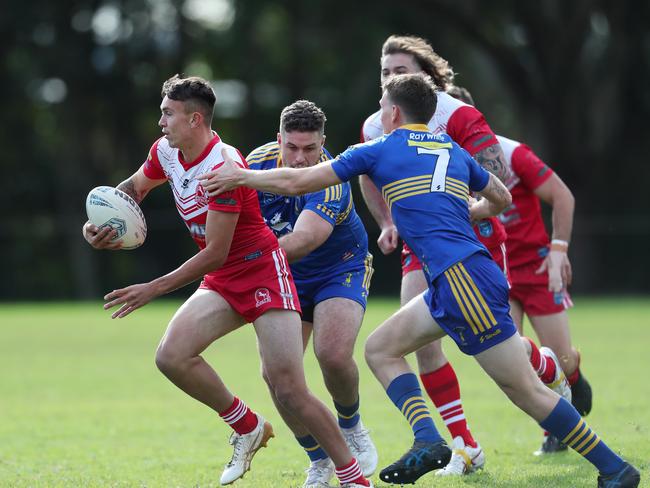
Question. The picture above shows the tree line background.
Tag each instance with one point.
(81, 93)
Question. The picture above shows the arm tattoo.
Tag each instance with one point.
(128, 187)
(493, 160)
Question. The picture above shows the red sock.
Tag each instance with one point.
(545, 369)
(573, 377)
(351, 473)
(241, 418)
(443, 389)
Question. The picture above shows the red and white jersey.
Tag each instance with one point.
(252, 237)
(527, 237)
(468, 128)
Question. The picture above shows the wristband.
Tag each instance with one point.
(559, 245)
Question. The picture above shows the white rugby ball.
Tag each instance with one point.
(108, 206)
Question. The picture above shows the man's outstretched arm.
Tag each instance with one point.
(282, 181)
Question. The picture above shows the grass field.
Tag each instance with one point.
(82, 403)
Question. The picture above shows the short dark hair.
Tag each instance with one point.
(430, 62)
(195, 91)
(302, 116)
(415, 95)
(461, 94)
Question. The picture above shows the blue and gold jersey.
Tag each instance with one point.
(425, 179)
(345, 248)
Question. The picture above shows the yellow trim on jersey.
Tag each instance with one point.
(456, 185)
(456, 193)
(455, 289)
(404, 181)
(406, 187)
(326, 211)
(344, 215)
(333, 193)
(418, 127)
(430, 144)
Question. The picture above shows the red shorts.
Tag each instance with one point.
(531, 290)
(256, 286)
(410, 261)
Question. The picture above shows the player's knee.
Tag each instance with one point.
(168, 360)
(286, 389)
(373, 351)
(333, 360)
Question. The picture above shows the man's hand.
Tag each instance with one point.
(225, 177)
(131, 298)
(558, 266)
(388, 239)
(101, 238)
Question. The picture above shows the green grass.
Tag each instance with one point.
(82, 404)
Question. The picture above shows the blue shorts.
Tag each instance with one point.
(469, 301)
(351, 282)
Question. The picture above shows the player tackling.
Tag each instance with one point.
(425, 180)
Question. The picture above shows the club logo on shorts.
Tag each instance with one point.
(262, 296)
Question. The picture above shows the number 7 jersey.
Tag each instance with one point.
(425, 179)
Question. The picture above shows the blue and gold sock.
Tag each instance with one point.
(565, 423)
(312, 447)
(406, 394)
(348, 416)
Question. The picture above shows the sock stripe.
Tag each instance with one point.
(594, 444)
(575, 429)
(591, 435)
(238, 413)
(453, 419)
(426, 415)
(347, 417)
(449, 405)
(310, 449)
(349, 474)
(406, 404)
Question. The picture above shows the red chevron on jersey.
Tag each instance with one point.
(252, 238)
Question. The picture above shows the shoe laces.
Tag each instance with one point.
(457, 463)
(318, 471)
(235, 441)
(358, 439)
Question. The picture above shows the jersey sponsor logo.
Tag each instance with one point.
(186, 182)
(262, 296)
(197, 230)
(253, 255)
(485, 228)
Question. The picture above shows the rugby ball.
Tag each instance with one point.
(108, 206)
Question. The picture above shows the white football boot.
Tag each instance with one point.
(244, 448)
(560, 384)
(358, 440)
(357, 485)
(319, 474)
(464, 459)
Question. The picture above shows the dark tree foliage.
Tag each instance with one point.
(81, 90)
